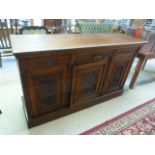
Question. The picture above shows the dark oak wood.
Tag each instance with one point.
(56, 114)
(60, 76)
(87, 80)
(67, 42)
(119, 69)
(47, 89)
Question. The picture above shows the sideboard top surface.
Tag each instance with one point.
(32, 43)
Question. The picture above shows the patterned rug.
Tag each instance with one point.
(137, 121)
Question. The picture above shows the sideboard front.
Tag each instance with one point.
(58, 84)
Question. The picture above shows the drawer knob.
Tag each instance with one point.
(98, 56)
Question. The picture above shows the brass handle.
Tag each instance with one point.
(98, 56)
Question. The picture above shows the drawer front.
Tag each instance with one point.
(127, 50)
(42, 62)
(125, 53)
(90, 56)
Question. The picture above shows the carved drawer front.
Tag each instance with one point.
(87, 80)
(117, 72)
(43, 62)
(47, 89)
(90, 56)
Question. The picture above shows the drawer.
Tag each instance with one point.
(125, 53)
(90, 56)
(43, 62)
(127, 50)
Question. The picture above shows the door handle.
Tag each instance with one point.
(66, 89)
(98, 56)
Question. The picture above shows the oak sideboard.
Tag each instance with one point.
(63, 73)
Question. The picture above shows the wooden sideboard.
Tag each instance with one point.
(64, 73)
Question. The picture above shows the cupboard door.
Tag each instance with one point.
(117, 73)
(87, 80)
(47, 89)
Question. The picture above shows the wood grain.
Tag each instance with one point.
(57, 82)
(33, 43)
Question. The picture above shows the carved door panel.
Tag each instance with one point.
(117, 73)
(87, 80)
(47, 89)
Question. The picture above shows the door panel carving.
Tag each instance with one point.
(87, 81)
(118, 71)
(48, 89)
